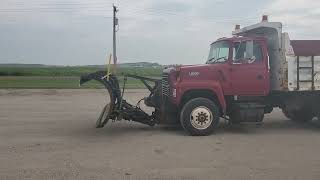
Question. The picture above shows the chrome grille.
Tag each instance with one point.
(165, 84)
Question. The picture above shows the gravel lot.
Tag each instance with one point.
(50, 134)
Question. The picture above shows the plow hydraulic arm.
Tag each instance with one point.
(118, 108)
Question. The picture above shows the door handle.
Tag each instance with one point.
(259, 77)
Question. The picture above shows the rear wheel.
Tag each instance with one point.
(301, 115)
(199, 116)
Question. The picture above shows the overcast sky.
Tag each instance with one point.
(79, 32)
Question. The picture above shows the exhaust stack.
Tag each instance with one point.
(264, 18)
(237, 27)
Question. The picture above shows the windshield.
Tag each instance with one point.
(219, 52)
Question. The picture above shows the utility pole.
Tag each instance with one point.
(115, 25)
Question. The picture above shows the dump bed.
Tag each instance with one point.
(304, 66)
(290, 70)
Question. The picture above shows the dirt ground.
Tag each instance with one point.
(50, 134)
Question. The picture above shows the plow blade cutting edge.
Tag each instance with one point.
(118, 108)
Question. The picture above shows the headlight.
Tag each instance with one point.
(174, 92)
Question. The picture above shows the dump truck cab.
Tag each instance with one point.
(235, 66)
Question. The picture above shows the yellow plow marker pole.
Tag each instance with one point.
(108, 67)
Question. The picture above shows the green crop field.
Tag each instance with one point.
(34, 82)
(65, 77)
(74, 71)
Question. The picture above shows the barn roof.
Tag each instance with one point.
(306, 47)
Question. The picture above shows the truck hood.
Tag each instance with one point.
(197, 72)
(202, 72)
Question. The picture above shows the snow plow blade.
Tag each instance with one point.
(118, 108)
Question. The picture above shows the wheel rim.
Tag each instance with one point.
(201, 117)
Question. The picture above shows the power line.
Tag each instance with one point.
(132, 13)
(148, 11)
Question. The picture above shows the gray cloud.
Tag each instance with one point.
(168, 31)
(299, 17)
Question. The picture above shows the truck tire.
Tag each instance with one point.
(302, 115)
(199, 116)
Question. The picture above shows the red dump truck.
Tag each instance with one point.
(245, 76)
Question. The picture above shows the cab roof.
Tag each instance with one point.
(239, 38)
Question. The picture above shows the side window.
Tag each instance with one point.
(257, 51)
(239, 51)
(247, 52)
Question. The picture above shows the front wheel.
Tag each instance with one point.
(199, 116)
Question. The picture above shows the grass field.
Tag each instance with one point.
(21, 82)
(64, 77)
(55, 71)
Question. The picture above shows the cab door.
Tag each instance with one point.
(219, 60)
(249, 70)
